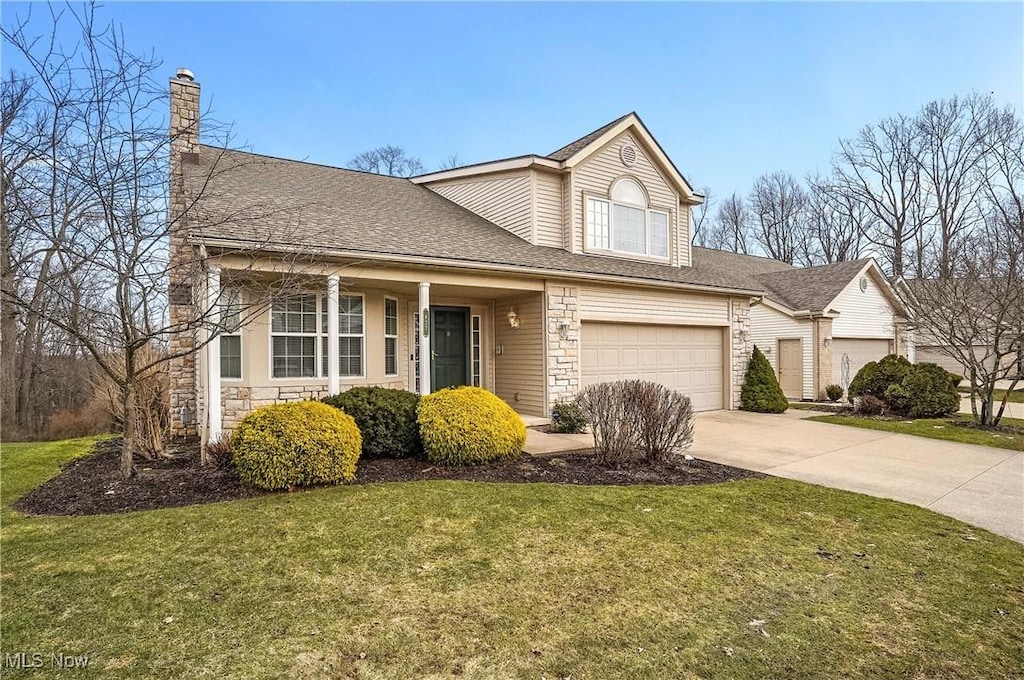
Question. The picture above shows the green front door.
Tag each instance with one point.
(449, 344)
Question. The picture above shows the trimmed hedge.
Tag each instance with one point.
(761, 392)
(468, 426)
(834, 392)
(386, 420)
(296, 444)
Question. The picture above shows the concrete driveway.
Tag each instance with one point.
(977, 484)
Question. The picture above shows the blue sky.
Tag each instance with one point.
(730, 89)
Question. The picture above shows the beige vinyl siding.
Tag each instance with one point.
(596, 175)
(685, 227)
(504, 199)
(519, 370)
(768, 326)
(867, 314)
(568, 233)
(652, 306)
(548, 210)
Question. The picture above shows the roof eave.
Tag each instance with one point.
(421, 260)
(489, 167)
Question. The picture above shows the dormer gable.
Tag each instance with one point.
(613, 192)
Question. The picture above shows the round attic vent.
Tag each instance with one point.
(863, 284)
(628, 155)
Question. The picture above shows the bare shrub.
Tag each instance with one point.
(664, 417)
(634, 420)
(613, 422)
(219, 452)
(870, 405)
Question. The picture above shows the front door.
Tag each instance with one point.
(791, 368)
(449, 344)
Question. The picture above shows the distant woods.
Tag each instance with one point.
(912, 190)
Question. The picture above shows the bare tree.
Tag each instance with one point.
(387, 160)
(88, 216)
(451, 162)
(779, 205)
(836, 222)
(699, 216)
(950, 154)
(730, 229)
(879, 169)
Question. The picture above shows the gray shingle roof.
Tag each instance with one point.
(272, 202)
(798, 288)
(569, 150)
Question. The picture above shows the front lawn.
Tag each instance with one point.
(958, 429)
(1016, 396)
(753, 579)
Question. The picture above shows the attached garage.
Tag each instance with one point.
(689, 359)
(850, 354)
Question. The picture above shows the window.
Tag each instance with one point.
(294, 336)
(390, 336)
(230, 308)
(476, 352)
(625, 223)
(350, 335)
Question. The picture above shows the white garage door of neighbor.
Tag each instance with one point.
(687, 359)
(860, 351)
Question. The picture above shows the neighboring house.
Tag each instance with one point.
(530, 276)
(818, 325)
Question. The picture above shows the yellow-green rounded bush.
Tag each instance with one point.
(468, 425)
(297, 444)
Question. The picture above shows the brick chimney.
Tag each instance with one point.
(183, 264)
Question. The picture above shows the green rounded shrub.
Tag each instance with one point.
(874, 378)
(567, 417)
(469, 425)
(761, 391)
(834, 392)
(386, 420)
(296, 444)
(897, 400)
(929, 392)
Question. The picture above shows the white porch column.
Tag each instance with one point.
(214, 423)
(424, 338)
(332, 335)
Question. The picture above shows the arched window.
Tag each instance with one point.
(626, 223)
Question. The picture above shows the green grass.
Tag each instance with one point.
(938, 428)
(446, 579)
(1016, 396)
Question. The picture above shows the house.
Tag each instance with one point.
(530, 276)
(818, 325)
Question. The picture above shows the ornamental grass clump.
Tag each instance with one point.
(469, 426)
(761, 391)
(296, 444)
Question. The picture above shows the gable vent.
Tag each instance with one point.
(628, 155)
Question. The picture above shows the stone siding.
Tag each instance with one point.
(823, 357)
(563, 356)
(742, 346)
(183, 260)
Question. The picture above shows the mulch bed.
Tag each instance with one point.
(92, 485)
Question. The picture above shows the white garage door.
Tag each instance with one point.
(858, 351)
(684, 358)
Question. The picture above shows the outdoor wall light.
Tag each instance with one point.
(828, 341)
(513, 318)
(563, 330)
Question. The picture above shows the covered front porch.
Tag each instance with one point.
(409, 329)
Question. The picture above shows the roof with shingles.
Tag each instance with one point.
(798, 288)
(571, 149)
(276, 203)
